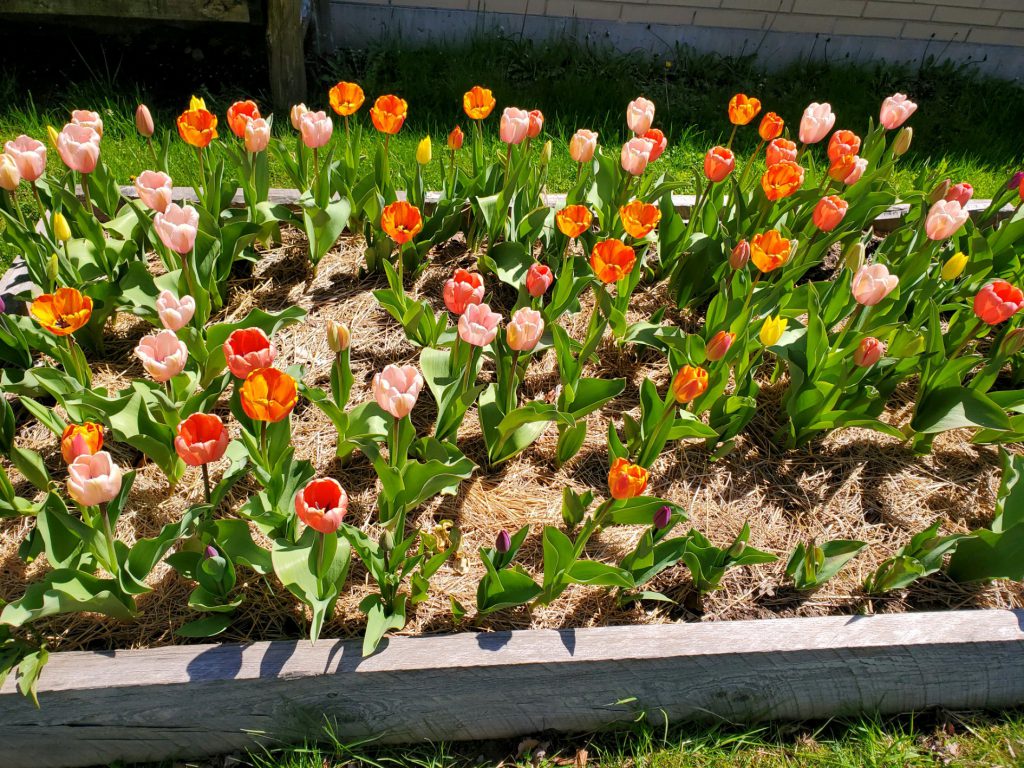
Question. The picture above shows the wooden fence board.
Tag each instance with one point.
(195, 700)
(159, 10)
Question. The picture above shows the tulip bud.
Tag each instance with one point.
(455, 138)
(737, 549)
(61, 230)
(868, 352)
(939, 193)
(901, 143)
(424, 151)
(52, 133)
(503, 543)
(954, 266)
(144, 121)
(10, 178)
(906, 343)
(545, 153)
(662, 517)
(338, 336)
(854, 255)
(211, 552)
(52, 268)
(296, 114)
(1012, 343)
(740, 255)
(1015, 180)
(719, 345)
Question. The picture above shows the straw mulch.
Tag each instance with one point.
(855, 484)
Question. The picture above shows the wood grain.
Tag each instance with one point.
(189, 701)
(161, 10)
(286, 52)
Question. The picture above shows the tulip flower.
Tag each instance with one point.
(639, 218)
(93, 479)
(854, 255)
(515, 123)
(944, 219)
(61, 229)
(1012, 343)
(201, 439)
(401, 221)
(847, 169)
(89, 119)
(901, 144)
(771, 127)
(455, 138)
(163, 355)
(816, 122)
(719, 345)
(174, 313)
(997, 301)
(503, 543)
(177, 227)
(144, 121)
(388, 114)
(872, 283)
(718, 163)
(524, 330)
(573, 220)
(478, 102)
(868, 352)
(640, 115)
(829, 212)
(779, 150)
(960, 193)
(257, 135)
(338, 336)
(636, 154)
(346, 98)
(322, 505)
(239, 115)
(689, 383)
(1016, 181)
(772, 330)
(896, 109)
(396, 389)
(316, 129)
(296, 113)
(582, 145)
(268, 395)
(247, 350)
(80, 440)
(10, 176)
(154, 190)
(79, 147)
(424, 151)
(536, 123)
(197, 126)
(954, 266)
(62, 312)
(478, 325)
(660, 142)
(626, 480)
(538, 279)
(612, 260)
(462, 290)
(843, 142)
(770, 250)
(939, 191)
(29, 155)
(782, 179)
(743, 109)
(740, 255)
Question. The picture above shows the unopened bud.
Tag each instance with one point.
(939, 193)
(854, 255)
(545, 153)
(52, 266)
(503, 543)
(1015, 180)
(954, 266)
(61, 230)
(211, 552)
(144, 121)
(737, 549)
(424, 151)
(662, 517)
(1012, 343)
(740, 255)
(338, 336)
(52, 133)
(901, 143)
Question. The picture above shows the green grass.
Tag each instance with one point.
(960, 740)
(967, 126)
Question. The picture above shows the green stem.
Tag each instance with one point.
(108, 533)
(263, 444)
(206, 482)
(85, 193)
(750, 162)
(395, 435)
(513, 374)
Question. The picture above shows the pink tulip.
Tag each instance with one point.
(960, 193)
(868, 352)
(479, 325)
(246, 350)
(536, 118)
(740, 255)
(895, 111)
(396, 389)
(944, 219)
(872, 283)
(719, 345)
(10, 176)
(860, 164)
(144, 121)
(316, 129)
(296, 115)
(816, 123)
(79, 147)
(538, 279)
(257, 135)
(163, 355)
(636, 154)
(462, 290)
(515, 125)
(88, 119)
(582, 145)
(154, 190)
(640, 116)
(177, 227)
(779, 150)
(524, 329)
(93, 479)
(174, 313)
(29, 154)
(718, 163)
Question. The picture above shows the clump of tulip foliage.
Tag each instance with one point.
(935, 302)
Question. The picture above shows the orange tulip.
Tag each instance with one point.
(268, 394)
(612, 260)
(742, 109)
(779, 150)
(478, 102)
(843, 142)
(401, 221)
(829, 212)
(62, 313)
(239, 115)
(771, 126)
(346, 98)
(626, 480)
(782, 180)
(573, 220)
(455, 138)
(388, 114)
(197, 126)
(689, 383)
(639, 218)
(770, 250)
(79, 439)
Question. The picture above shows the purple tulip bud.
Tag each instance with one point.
(3, 307)
(1015, 180)
(662, 517)
(211, 552)
(504, 542)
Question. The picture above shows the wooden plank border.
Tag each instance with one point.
(195, 700)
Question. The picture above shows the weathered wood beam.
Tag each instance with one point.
(285, 34)
(158, 10)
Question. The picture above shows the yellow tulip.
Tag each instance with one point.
(954, 267)
(52, 133)
(772, 330)
(423, 151)
(61, 230)
(197, 103)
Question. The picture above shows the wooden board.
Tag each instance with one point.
(189, 701)
(160, 10)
